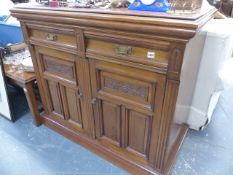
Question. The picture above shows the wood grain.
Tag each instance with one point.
(101, 88)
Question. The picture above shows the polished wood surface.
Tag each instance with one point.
(26, 81)
(109, 80)
(120, 11)
(22, 78)
(183, 28)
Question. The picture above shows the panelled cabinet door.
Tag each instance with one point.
(60, 85)
(126, 105)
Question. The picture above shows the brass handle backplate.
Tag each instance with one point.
(93, 101)
(123, 50)
(51, 37)
(80, 94)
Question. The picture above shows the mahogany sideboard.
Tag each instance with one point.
(109, 79)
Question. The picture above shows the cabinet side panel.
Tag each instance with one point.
(171, 93)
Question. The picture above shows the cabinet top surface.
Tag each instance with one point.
(192, 19)
(182, 26)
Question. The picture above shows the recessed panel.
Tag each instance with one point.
(59, 67)
(139, 126)
(73, 105)
(55, 97)
(127, 87)
(111, 121)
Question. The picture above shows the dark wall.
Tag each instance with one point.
(211, 2)
(19, 1)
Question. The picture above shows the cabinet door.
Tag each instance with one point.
(59, 78)
(127, 105)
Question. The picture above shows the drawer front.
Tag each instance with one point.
(128, 51)
(60, 37)
(126, 103)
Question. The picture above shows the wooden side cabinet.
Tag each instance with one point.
(109, 80)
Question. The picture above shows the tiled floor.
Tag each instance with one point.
(29, 150)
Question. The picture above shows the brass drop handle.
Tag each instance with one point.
(123, 50)
(80, 94)
(51, 37)
(93, 101)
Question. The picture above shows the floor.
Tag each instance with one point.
(29, 150)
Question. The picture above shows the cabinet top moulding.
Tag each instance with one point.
(163, 24)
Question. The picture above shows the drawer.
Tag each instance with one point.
(128, 51)
(60, 37)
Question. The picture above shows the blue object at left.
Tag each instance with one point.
(150, 5)
(3, 18)
(10, 34)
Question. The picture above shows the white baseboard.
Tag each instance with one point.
(194, 117)
(198, 119)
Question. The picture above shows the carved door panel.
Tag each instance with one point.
(127, 105)
(58, 72)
